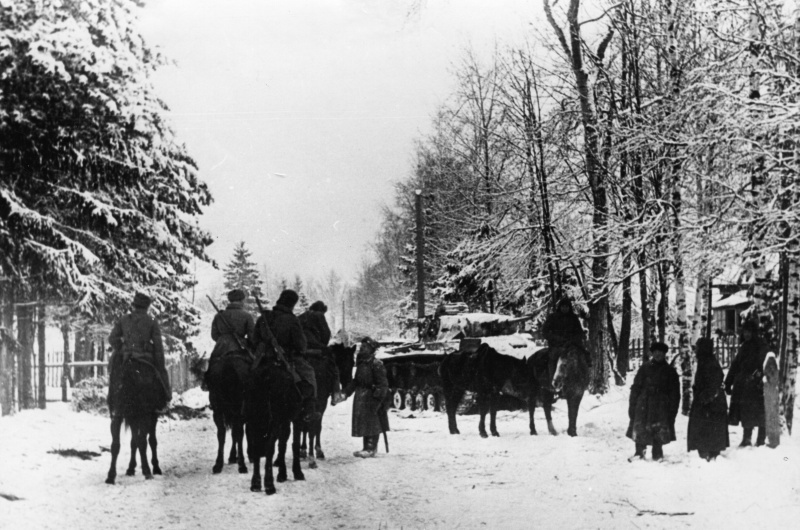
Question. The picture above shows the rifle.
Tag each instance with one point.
(230, 328)
(275, 346)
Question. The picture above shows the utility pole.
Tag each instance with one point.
(420, 258)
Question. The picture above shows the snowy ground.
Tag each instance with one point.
(429, 480)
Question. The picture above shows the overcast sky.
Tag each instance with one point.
(301, 114)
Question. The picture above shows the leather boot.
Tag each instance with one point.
(639, 454)
(761, 436)
(658, 452)
(746, 436)
(370, 444)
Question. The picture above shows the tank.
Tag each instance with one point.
(413, 368)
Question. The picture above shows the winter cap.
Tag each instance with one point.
(319, 305)
(237, 295)
(659, 346)
(750, 325)
(564, 301)
(288, 298)
(705, 347)
(369, 343)
(141, 300)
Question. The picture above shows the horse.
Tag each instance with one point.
(153, 441)
(343, 357)
(272, 410)
(226, 380)
(485, 372)
(135, 400)
(569, 378)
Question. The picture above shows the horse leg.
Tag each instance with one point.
(116, 425)
(255, 480)
(219, 421)
(531, 411)
(232, 455)
(493, 414)
(483, 408)
(132, 464)
(237, 439)
(318, 441)
(312, 438)
(283, 434)
(140, 429)
(573, 403)
(269, 482)
(303, 447)
(296, 469)
(154, 444)
(547, 405)
(452, 398)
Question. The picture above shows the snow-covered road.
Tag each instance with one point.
(429, 480)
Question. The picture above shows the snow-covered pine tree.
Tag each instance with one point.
(97, 198)
(242, 273)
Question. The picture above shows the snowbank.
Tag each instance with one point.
(430, 479)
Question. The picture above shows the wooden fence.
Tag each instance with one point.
(724, 347)
(181, 379)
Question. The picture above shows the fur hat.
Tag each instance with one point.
(659, 346)
(237, 295)
(370, 344)
(288, 298)
(319, 305)
(141, 300)
(704, 347)
(750, 325)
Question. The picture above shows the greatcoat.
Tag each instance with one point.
(371, 390)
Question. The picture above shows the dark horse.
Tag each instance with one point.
(272, 408)
(344, 358)
(569, 378)
(485, 372)
(135, 399)
(226, 387)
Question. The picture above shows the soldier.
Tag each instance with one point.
(288, 332)
(229, 324)
(137, 336)
(745, 386)
(318, 335)
(562, 329)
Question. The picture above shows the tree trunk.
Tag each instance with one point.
(65, 365)
(623, 353)
(42, 368)
(644, 301)
(598, 306)
(789, 366)
(25, 329)
(6, 351)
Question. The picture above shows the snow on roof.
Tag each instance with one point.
(736, 299)
(520, 346)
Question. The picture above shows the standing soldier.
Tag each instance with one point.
(288, 332)
(137, 336)
(318, 335)
(369, 409)
(231, 329)
(653, 404)
(745, 386)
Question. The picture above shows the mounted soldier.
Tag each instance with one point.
(286, 328)
(318, 335)
(232, 329)
(563, 329)
(136, 336)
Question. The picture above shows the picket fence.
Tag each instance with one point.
(725, 348)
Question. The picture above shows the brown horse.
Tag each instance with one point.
(344, 358)
(569, 378)
(485, 372)
(226, 387)
(272, 409)
(135, 396)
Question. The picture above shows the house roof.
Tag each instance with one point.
(739, 298)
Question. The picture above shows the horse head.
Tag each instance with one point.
(345, 357)
(571, 375)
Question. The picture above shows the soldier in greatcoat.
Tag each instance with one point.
(369, 405)
(286, 328)
(654, 401)
(232, 329)
(562, 329)
(318, 335)
(745, 385)
(137, 336)
(708, 417)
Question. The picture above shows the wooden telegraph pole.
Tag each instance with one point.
(420, 260)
